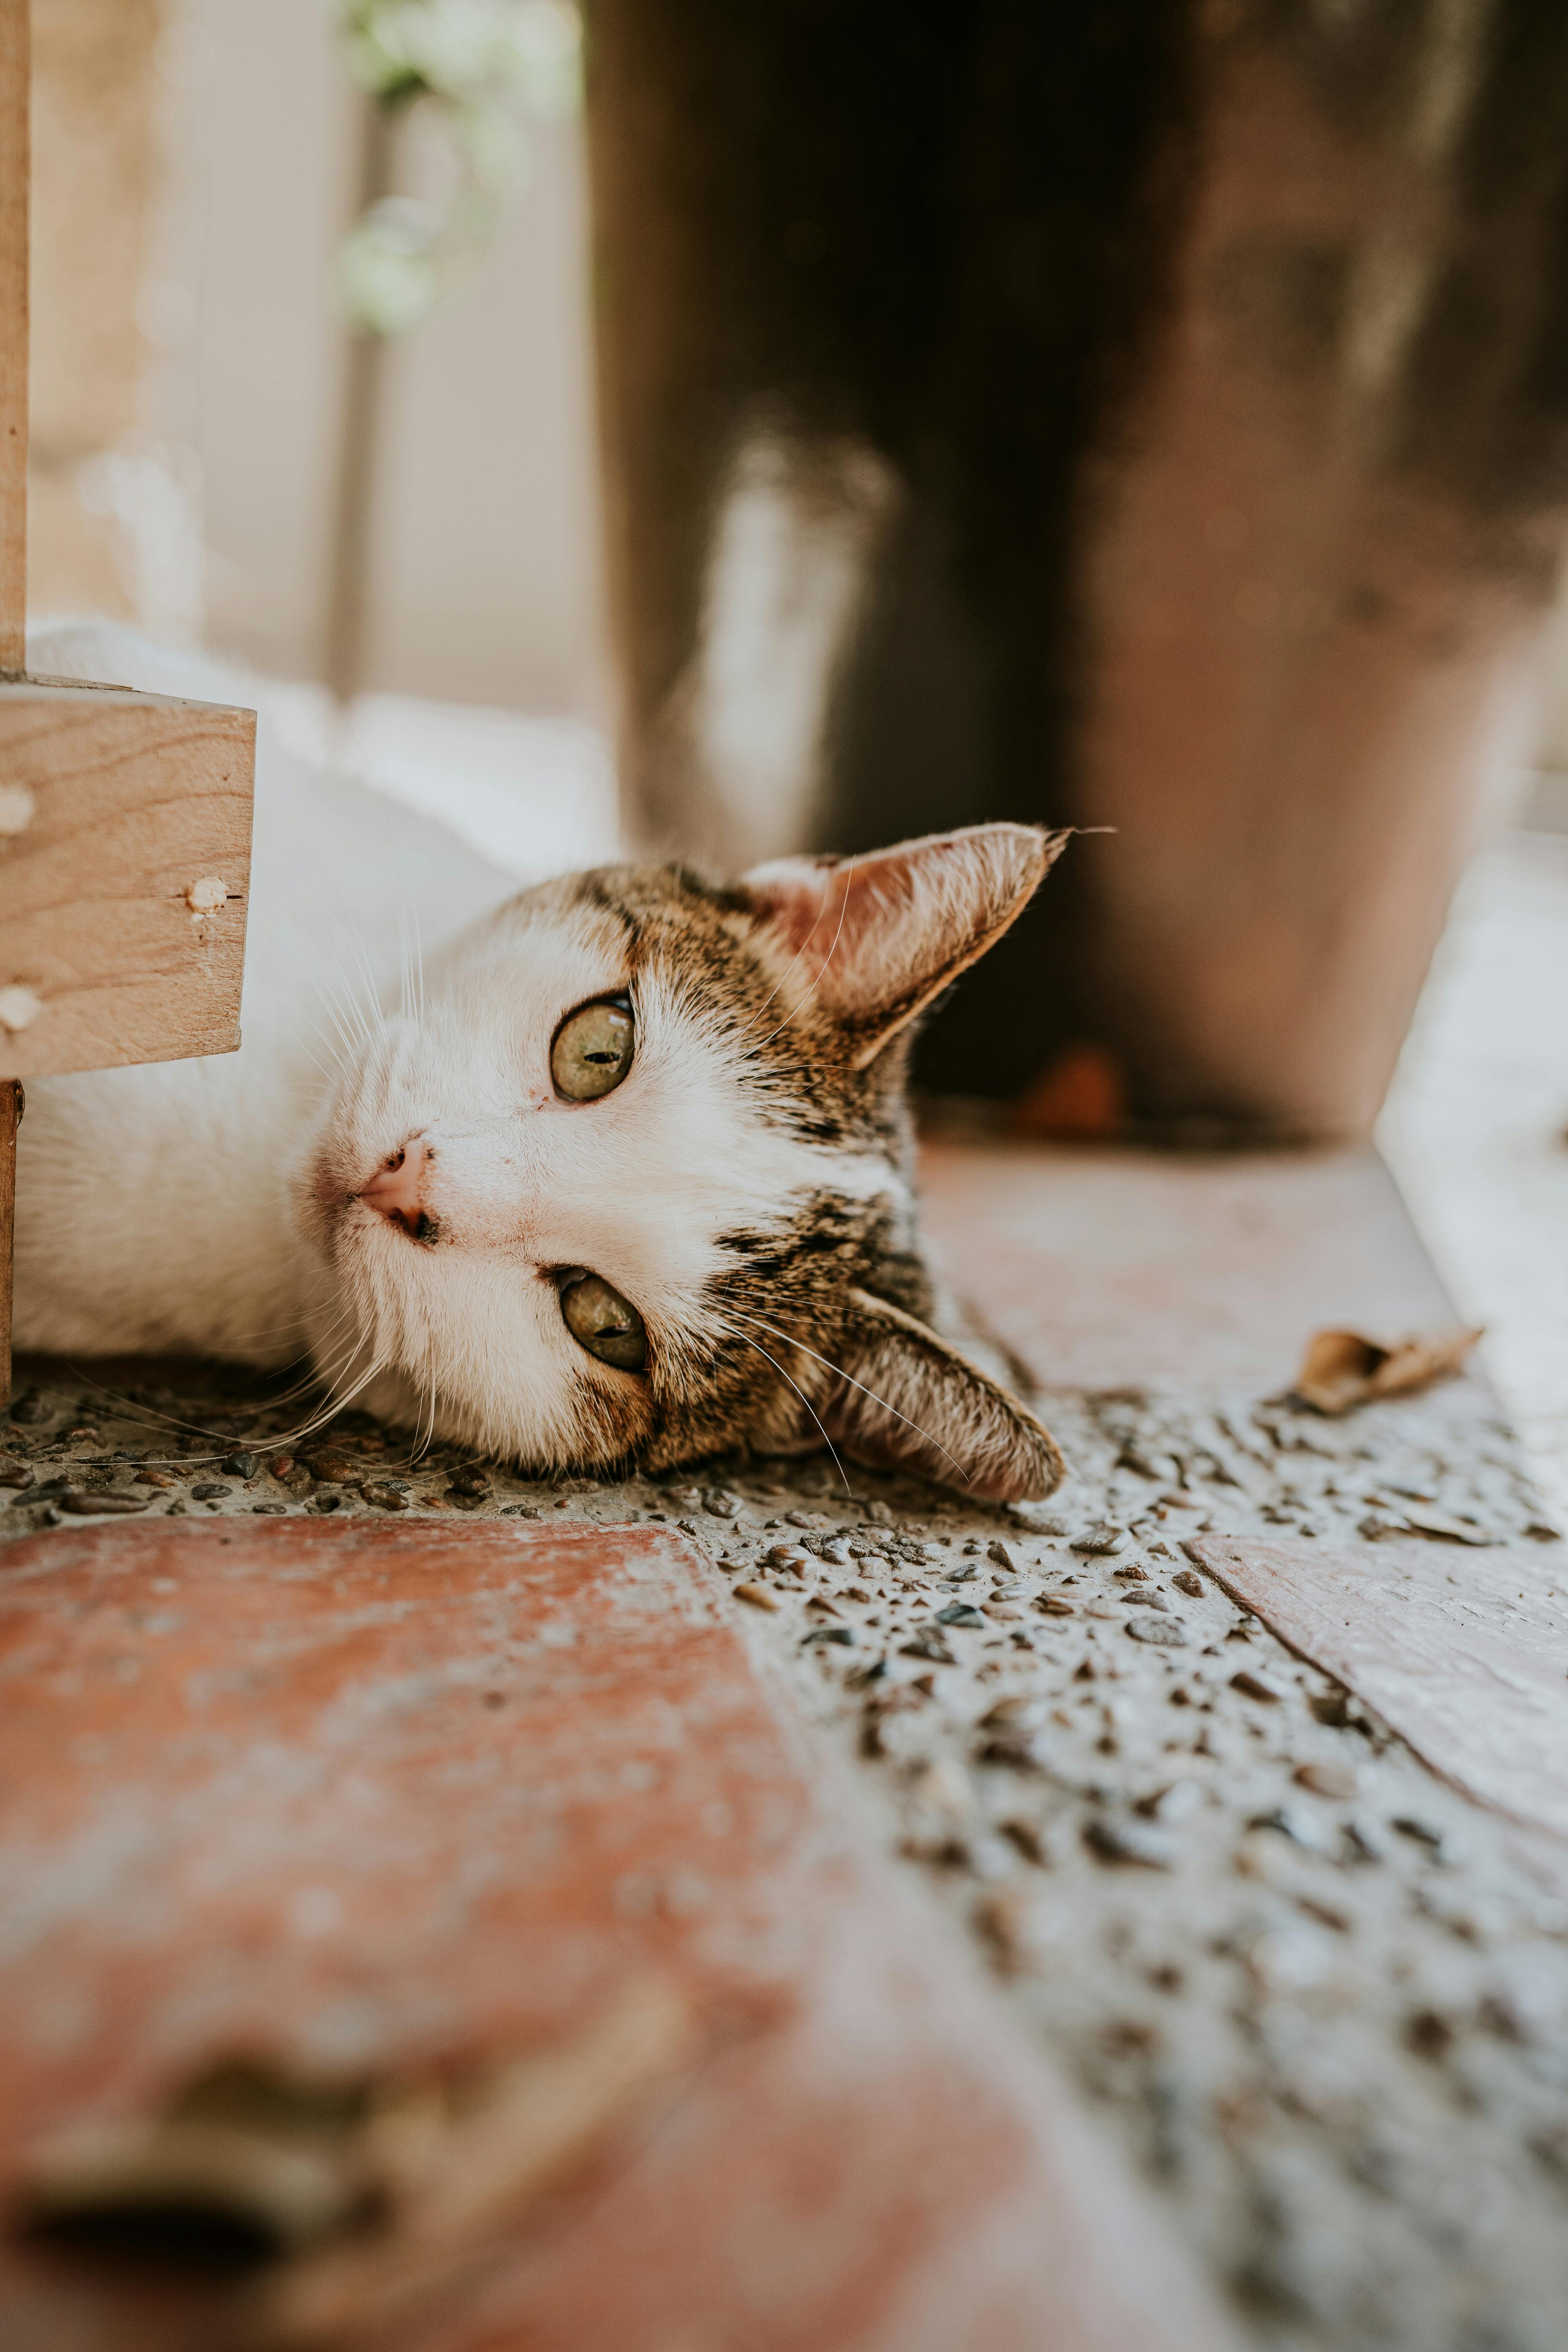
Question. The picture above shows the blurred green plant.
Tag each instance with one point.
(485, 69)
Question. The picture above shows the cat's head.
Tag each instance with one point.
(634, 1181)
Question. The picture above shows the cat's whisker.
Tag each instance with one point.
(344, 1015)
(967, 1475)
(345, 997)
(373, 994)
(333, 1405)
(333, 1402)
(746, 1341)
(142, 1415)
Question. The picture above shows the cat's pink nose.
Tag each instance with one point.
(397, 1189)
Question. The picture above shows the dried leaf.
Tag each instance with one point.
(1344, 1369)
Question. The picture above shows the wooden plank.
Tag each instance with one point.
(116, 807)
(1463, 1651)
(15, 50)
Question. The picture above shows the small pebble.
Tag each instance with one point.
(269, 1511)
(1429, 1834)
(1023, 1746)
(1164, 1633)
(1019, 1708)
(1004, 1556)
(1051, 1604)
(1173, 1802)
(15, 1472)
(1254, 1685)
(960, 1612)
(1100, 1541)
(929, 1643)
(806, 1519)
(88, 1507)
(720, 1503)
(520, 1511)
(844, 1635)
(1123, 1839)
(1337, 1780)
(333, 1465)
(239, 1465)
(210, 1490)
(468, 1482)
(1295, 1823)
(759, 1596)
(1444, 1524)
(29, 1407)
(1188, 1580)
(388, 1494)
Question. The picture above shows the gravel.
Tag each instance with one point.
(1321, 1999)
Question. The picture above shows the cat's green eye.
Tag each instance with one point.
(603, 1322)
(592, 1049)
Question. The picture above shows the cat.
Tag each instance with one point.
(618, 1171)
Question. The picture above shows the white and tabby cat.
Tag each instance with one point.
(623, 1174)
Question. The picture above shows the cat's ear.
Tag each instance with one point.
(873, 940)
(907, 1398)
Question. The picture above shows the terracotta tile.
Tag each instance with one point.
(1106, 1268)
(503, 1827)
(1464, 1653)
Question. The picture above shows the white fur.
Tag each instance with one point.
(208, 1206)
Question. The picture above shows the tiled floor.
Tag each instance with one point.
(577, 2008)
(1319, 1997)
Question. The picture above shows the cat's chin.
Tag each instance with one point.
(402, 1403)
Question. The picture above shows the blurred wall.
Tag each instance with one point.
(94, 176)
(195, 172)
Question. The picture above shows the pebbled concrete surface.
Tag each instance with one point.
(1321, 2000)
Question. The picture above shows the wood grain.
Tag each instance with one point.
(135, 799)
(14, 170)
(1464, 1653)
